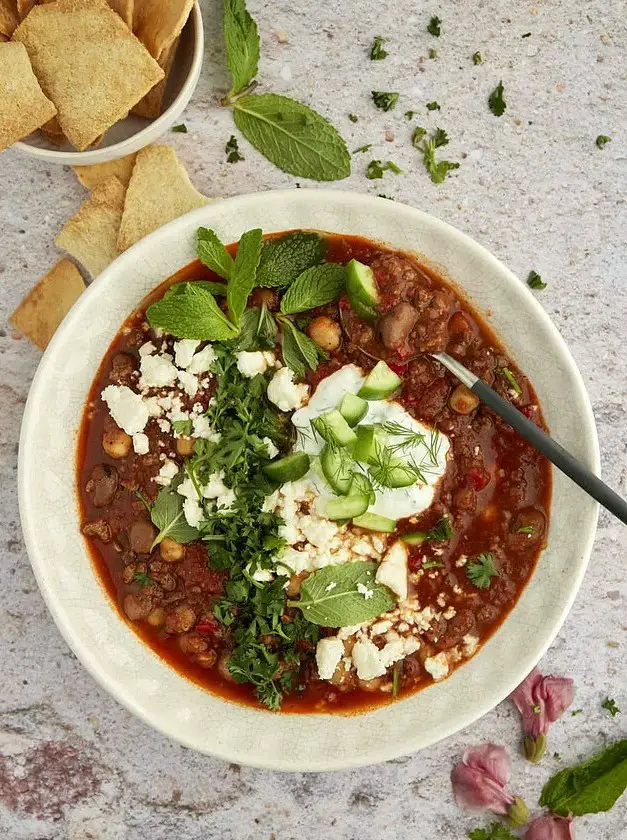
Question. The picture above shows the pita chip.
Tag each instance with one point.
(152, 104)
(9, 18)
(91, 176)
(46, 305)
(23, 105)
(158, 23)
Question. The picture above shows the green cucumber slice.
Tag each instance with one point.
(337, 468)
(361, 289)
(347, 507)
(333, 427)
(361, 486)
(375, 522)
(353, 409)
(414, 537)
(366, 443)
(290, 468)
(380, 383)
(392, 473)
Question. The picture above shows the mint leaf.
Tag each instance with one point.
(208, 285)
(601, 140)
(299, 351)
(191, 313)
(314, 287)
(590, 787)
(167, 514)
(257, 330)
(285, 257)
(244, 272)
(212, 253)
(242, 44)
(496, 101)
(179, 129)
(343, 604)
(385, 100)
(535, 281)
(292, 136)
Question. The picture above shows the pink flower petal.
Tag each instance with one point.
(541, 701)
(550, 827)
(479, 779)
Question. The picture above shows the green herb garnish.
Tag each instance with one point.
(385, 100)
(284, 258)
(377, 53)
(189, 311)
(167, 515)
(314, 287)
(495, 831)
(438, 170)
(602, 139)
(496, 101)
(242, 45)
(417, 135)
(299, 351)
(376, 169)
(409, 115)
(232, 150)
(526, 529)
(212, 253)
(396, 674)
(534, 281)
(512, 381)
(365, 148)
(182, 427)
(353, 118)
(433, 106)
(576, 712)
(433, 564)
(433, 53)
(481, 571)
(441, 531)
(526, 35)
(476, 58)
(611, 706)
(142, 578)
(434, 26)
(179, 129)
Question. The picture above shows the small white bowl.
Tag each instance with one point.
(133, 133)
(144, 683)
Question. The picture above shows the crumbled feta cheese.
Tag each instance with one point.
(187, 489)
(271, 448)
(329, 651)
(285, 393)
(147, 349)
(381, 627)
(202, 361)
(225, 501)
(126, 407)
(363, 590)
(271, 359)
(215, 486)
(141, 444)
(164, 426)
(189, 382)
(167, 472)
(367, 661)
(469, 645)
(184, 351)
(152, 404)
(392, 571)
(193, 512)
(202, 429)
(157, 372)
(263, 575)
(461, 560)
(437, 666)
(251, 364)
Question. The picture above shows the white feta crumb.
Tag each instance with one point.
(461, 560)
(126, 407)
(164, 426)
(167, 472)
(141, 444)
(147, 349)
(329, 651)
(215, 486)
(225, 501)
(157, 372)
(193, 512)
(469, 645)
(363, 590)
(380, 627)
(251, 364)
(184, 351)
(285, 393)
(263, 575)
(202, 429)
(202, 361)
(189, 382)
(437, 666)
(367, 660)
(392, 571)
(271, 448)
(187, 489)
(152, 404)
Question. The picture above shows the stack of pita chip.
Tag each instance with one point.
(129, 198)
(73, 68)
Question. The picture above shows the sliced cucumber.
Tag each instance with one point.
(374, 522)
(337, 468)
(380, 383)
(365, 446)
(347, 507)
(353, 409)
(414, 537)
(361, 289)
(290, 468)
(333, 427)
(392, 473)
(361, 486)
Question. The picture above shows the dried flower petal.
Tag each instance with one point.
(479, 779)
(550, 827)
(541, 701)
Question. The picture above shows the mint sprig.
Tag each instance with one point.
(242, 45)
(191, 312)
(212, 253)
(244, 272)
(283, 258)
(314, 287)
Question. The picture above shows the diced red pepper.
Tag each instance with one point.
(208, 626)
(477, 478)
(344, 302)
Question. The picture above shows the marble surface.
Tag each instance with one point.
(536, 191)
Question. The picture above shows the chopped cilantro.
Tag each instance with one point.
(376, 169)
(142, 578)
(433, 106)
(611, 706)
(602, 139)
(418, 134)
(377, 53)
(576, 712)
(353, 118)
(534, 281)
(440, 138)
(496, 101)
(495, 831)
(232, 150)
(526, 529)
(434, 26)
(438, 170)
(180, 129)
(409, 115)
(433, 53)
(365, 148)
(385, 100)
(476, 58)
(481, 571)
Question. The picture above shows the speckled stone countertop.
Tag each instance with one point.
(534, 189)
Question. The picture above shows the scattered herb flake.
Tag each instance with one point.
(481, 571)
(385, 100)
(476, 58)
(418, 134)
(180, 129)
(365, 148)
(441, 531)
(438, 170)
(433, 53)
(526, 529)
(434, 26)
(376, 169)
(526, 35)
(495, 831)
(534, 281)
(512, 380)
(409, 115)
(143, 579)
(611, 706)
(557, 756)
(377, 53)
(353, 118)
(496, 101)
(232, 150)
(536, 710)
(433, 106)
(576, 712)
(396, 678)
(602, 139)
(440, 138)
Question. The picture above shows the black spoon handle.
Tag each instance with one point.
(562, 459)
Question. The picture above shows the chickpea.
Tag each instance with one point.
(157, 617)
(293, 587)
(171, 551)
(265, 297)
(116, 443)
(180, 620)
(371, 685)
(185, 446)
(192, 643)
(462, 400)
(207, 659)
(326, 332)
(223, 667)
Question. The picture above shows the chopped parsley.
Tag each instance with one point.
(142, 578)
(376, 169)
(512, 381)
(602, 139)
(232, 150)
(481, 571)
(409, 115)
(611, 706)
(377, 53)
(534, 281)
(385, 100)
(433, 53)
(365, 148)
(418, 133)
(180, 129)
(576, 712)
(476, 58)
(438, 170)
(496, 101)
(433, 106)
(434, 26)
(353, 118)
(526, 529)
(441, 531)
(495, 831)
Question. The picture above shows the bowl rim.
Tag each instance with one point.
(146, 135)
(121, 690)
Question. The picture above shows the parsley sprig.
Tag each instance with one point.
(481, 571)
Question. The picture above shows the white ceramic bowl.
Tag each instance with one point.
(133, 133)
(137, 677)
